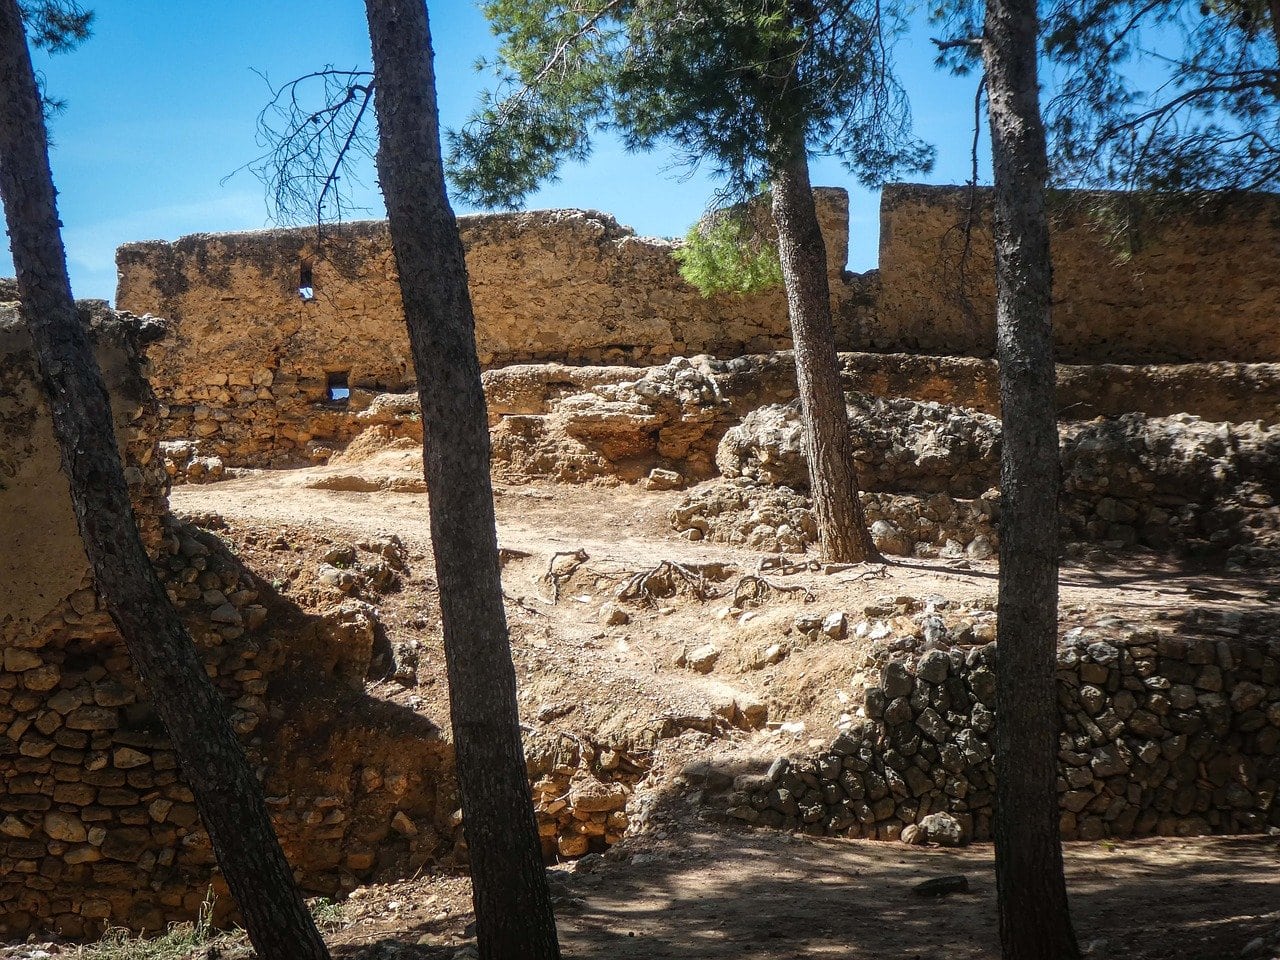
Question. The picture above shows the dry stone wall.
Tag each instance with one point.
(1187, 292)
(1164, 732)
(97, 826)
(1160, 482)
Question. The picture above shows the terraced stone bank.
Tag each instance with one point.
(1163, 734)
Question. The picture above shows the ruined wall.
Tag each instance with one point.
(1196, 286)
(247, 368)
(1169, 733)
(43, 562)
(248, 360)
(96, 824)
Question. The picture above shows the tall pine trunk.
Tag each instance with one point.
(227, 794)
(1273, 7)
(833, 482)
(1035, 921)
(514, 920)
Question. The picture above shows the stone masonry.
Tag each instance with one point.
(1168, 731)
(96, 824)
(250, 364)
(1199, 285)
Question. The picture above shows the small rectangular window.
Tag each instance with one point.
(306, 284)
(337, 389)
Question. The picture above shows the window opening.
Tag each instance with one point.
(337, 390)
(306, 284)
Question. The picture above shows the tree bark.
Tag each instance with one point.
(1035, 920)
(1273, 7)
(833, 481)
(514, 920)
(227, 794)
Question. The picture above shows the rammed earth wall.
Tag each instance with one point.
(247, 367)
(1190, 286)
(248, 361)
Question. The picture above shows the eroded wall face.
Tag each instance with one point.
(266, 324)
(1189, 287)
(97, 825)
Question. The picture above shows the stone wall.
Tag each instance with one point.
(1170, 732)
(1198, 285)
(96, 824)
(248, 361)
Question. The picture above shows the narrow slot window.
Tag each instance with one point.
(337, 390)
(306, 284)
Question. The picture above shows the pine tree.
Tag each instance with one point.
(1035, 923)
(753, 88)
(227, 793)
(514, 920)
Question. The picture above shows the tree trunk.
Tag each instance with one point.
(1273, 6)
(514, 920)
(1035, 921)
(833, 482)
(227, 794)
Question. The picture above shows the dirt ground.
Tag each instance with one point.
(712, 894)
(613, 679)
(686, 887)
(681, 884)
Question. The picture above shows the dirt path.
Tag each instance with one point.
(628, 526)
(683, 888)
(775, 897)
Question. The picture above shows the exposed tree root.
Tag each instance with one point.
(666, 580)
(879, 572)
(556, 574)
(752, 589)
(785, 566)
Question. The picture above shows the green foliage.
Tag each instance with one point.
(1211, 118)
(1208, 117)
(329, 916)
(56, 25)
(737, 84)
(182, 939)
(727, 256)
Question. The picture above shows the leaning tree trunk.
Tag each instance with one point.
(514, 920)
(833, 482)
(226, 791)
(1035, 921)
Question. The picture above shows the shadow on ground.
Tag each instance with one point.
(725, 894)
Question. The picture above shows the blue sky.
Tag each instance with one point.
(161, 105)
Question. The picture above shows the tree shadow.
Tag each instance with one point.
(724, 893)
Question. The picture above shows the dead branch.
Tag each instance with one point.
(318, 141)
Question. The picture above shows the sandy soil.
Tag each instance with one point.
(685, 887)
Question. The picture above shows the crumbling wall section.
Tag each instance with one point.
(1195, 285)
(97, 826)
(250, 360)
